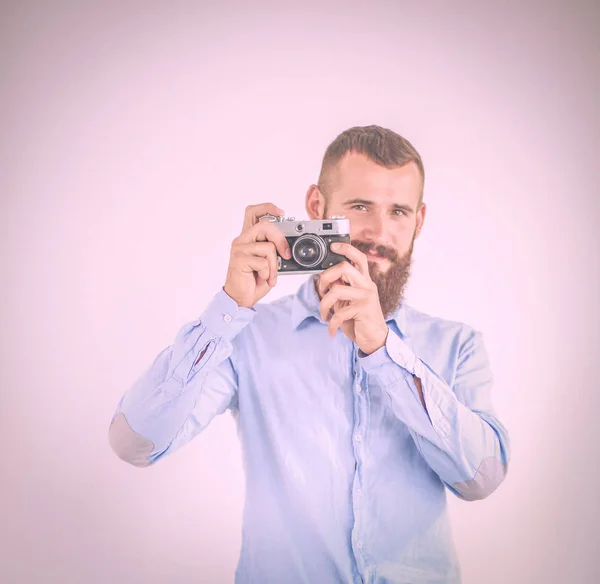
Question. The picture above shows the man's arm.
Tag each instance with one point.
(188, 384)
(454, 428)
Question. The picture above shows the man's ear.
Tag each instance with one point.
(420, 219)
(315, 203)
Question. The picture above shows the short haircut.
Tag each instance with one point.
(382, 146)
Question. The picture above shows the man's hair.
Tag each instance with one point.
(382, 146)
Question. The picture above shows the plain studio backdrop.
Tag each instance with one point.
(133, 137)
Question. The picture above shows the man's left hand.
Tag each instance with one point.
(349, 290)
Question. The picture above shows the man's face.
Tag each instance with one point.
(381, 205)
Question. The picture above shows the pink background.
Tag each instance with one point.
(134, 135)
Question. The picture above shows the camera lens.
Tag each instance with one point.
(308, 250)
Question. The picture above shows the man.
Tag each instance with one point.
(350, 440)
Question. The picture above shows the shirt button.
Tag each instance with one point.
(359, 545)
(359, 491)
(227, 318)
(358, 389)
(358, 437)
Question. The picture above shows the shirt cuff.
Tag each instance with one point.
(395, 351)
(224, 318)
(393, 368)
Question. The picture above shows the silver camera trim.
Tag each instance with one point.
(289, 226)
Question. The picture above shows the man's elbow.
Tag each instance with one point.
(490, 474)
(127, 444)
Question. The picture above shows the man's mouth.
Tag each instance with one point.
(374, 255)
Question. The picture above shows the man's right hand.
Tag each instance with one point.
(252, 270)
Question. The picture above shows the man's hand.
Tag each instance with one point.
(252, 270)
(349, 291)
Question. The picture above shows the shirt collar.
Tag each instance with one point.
(305, 304)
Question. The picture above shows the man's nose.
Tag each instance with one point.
(376, 228)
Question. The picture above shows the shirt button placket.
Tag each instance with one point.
(360, 411)
(358, 439)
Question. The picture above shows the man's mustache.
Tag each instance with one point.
(381, 250)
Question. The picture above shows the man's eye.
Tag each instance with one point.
(356, 206)
(400, 211)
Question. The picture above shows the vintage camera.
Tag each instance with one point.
(310, 242)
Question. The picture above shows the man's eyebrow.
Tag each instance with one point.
(405, 208)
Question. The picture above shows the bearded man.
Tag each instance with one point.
(356, 413)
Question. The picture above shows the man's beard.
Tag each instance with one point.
(390, 284)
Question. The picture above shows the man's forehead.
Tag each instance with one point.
(357, 173)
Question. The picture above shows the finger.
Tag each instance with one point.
(345, 272)
(326, 290)
(256, 264)
(265, 249)
(337, 306)
(340, 317)
(254, 212)
(339, 293)
(265, 231)
(357, 257)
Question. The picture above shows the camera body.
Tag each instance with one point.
(310, 242)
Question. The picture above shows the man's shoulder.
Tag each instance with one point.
(283, 303)
(421, 322)
(280, 308)
(272, 323)
(441, 341)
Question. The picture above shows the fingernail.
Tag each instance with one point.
(335, 246)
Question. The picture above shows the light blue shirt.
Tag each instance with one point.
(346, 471)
